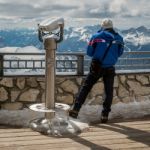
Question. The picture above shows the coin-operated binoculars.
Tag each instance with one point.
(50, 33)
(56, 120)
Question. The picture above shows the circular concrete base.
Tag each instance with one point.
(58, 126)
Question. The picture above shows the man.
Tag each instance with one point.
(104, 47)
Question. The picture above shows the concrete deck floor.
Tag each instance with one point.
(116, 135)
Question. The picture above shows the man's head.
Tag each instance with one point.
(107, 24)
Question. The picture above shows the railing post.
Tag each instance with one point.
(80, 64)
(1, 65)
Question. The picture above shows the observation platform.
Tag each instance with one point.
(117, 134)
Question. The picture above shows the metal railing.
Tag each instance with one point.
(32, 64)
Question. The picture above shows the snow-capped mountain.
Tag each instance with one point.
(75, 38)
(137, 39)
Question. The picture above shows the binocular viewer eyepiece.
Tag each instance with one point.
(51, 27)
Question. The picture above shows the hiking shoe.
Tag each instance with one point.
(104, 117)
(73, 113)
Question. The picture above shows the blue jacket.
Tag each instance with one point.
(98, 44)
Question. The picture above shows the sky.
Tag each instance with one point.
(124, 12)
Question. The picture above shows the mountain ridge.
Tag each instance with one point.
(75, 38)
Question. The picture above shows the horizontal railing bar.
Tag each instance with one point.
(70, 53)
(133, 65)
(22, 60)
(134, 58)
(57, 53)
(137, 52)
(67, 68)
(22, 53)
(61, 60)
(25, 68)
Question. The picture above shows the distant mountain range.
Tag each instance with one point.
(75, 39)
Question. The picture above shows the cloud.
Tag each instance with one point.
(34, 8)
(75, 8)
(122, 8)
(117, 6)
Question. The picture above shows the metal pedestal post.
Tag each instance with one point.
(50, 47)
(50, 124)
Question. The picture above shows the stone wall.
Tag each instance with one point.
(17, 93)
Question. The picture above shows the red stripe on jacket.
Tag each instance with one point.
(96, 41)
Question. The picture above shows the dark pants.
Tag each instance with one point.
(108, 77)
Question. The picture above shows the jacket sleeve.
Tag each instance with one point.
(121, 48)
(91, 47)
